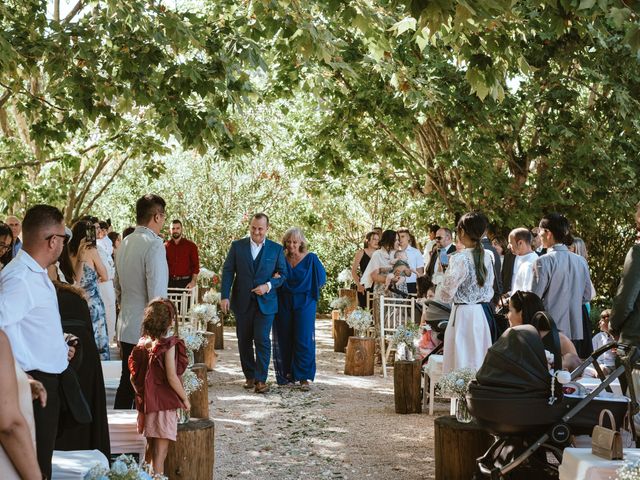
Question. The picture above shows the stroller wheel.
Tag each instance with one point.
(561, 434)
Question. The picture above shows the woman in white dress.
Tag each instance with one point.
(468, 285)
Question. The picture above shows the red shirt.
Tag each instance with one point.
(182, 258)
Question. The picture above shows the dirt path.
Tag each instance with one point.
(344, 428)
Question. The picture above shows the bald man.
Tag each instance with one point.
(16, 229)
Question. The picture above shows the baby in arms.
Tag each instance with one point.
(400, 271)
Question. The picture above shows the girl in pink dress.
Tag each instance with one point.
(156, 365)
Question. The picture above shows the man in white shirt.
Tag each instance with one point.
(30, 317)
(522, 276)
(142, 274)
(414, 258)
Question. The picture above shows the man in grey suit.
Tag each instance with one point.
(142, 274)
(625, 314)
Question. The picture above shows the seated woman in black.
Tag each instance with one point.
(526, 308)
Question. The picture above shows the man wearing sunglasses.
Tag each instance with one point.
(29, 316)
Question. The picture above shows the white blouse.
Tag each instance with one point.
(459, 284)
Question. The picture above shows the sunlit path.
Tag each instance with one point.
(345, 427)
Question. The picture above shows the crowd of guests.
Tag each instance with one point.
(543, 269)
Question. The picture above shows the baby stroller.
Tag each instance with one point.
(512, 398)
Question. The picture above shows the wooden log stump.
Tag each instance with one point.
(335, 315)
(191, 456)
(206, 353)
(200, 398)
(218, 330)
(360, 356)
(406, 386)
(341, 334)
(457, 445)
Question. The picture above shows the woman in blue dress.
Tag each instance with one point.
(294, 342)
(83, 267)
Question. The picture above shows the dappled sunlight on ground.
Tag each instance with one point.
(344, 427)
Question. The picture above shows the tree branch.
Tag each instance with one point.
(86, 210)
(74, 11)
(37, 97)
(5, 97)
(83, 193)
(56, 11)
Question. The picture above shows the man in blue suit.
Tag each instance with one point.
(255, 266)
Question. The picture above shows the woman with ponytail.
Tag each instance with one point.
(468, 285)
(561, 279)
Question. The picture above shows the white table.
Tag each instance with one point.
(74, 465)
(581, 464)
(111, 370)
(123, 432)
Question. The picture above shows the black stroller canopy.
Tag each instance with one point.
(516, 363)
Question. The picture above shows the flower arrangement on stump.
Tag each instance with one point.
(405, 341)
(360, 320)
(456, 384)
(341, 304)
(345, 278)
(629, 471)
(191, 384)
(203, 313)
(208, 278)
(193, 340)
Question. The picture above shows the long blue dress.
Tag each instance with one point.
(89, 283)
(294, 340)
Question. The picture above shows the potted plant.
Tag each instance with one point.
(455, 384)
(360, 349)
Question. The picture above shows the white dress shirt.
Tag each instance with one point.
(415, 261)
(30, 317)
(106, 243)
(523, 272)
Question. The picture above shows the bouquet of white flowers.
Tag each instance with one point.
(345, 278)
(203, 313)
(404, 339)
(629, 471)
(190, 382)
(205, 274)
(212, 297)
(340, 303)
(124, 468)
(192, 340)
(456, 383)
(360, 320)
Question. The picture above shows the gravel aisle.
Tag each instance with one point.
(344, 428)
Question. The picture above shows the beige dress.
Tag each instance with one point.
(26, 407)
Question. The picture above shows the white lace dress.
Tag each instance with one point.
(467, 337)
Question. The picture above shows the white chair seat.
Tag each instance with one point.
(123, 432)
(75, 464)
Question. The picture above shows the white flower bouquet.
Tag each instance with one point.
(629, 471)
(345, 278)
(124, 468)
(192, 340)
(456, 383)
(203, 313)
(212, 297)
(206, 274)
(360, 320)
(340, 303)
(405, 340)
(190, 382)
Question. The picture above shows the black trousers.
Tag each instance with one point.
(412, 287)
(125, 395)
(182, 283)
(46, 419)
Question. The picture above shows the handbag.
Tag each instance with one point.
(606, 442)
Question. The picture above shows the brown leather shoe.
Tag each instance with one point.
(261, 387)
(249, 384)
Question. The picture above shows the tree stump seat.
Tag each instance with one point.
(191, 456)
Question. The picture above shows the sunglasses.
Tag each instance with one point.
(64, 242)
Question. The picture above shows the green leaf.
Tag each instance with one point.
(586, 4)
(404, 25)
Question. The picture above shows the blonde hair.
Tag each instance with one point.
(295, 232)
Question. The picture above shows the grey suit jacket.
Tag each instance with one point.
(625, 314)
(561, 279)
(142, 274)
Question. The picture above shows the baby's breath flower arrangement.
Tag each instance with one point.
(456, 383)
(404, 340)
(360, 320)
(190, 382)
(340, 303)
(345, 278)
(629, 471)
(124, 468)
(203, 313)
(212, 297)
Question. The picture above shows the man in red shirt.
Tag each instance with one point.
(182, 257)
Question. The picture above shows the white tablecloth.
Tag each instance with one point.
(581, 464)
(74, 465)
(123, 432)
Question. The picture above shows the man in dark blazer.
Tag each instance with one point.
(497, 279)
(253, 271)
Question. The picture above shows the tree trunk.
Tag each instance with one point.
(406, 386)
(191, 456)
(200, 398)
(360, 356)
(457, 445)
(341, 334)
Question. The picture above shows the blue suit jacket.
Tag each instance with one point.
(239, 276)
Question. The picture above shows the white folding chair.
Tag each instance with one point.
(394, 312)
(183, 299)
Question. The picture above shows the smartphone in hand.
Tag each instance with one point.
(90, 236)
